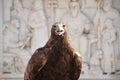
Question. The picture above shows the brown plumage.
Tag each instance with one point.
(56, 60)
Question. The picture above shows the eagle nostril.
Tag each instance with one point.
(61, 30)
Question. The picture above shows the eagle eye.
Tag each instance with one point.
(63, 25)
(54, 26)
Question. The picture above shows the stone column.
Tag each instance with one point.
(1, 43)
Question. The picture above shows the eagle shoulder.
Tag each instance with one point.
(35, 64)
(77, 66)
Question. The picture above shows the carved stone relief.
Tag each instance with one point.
(93, 26)
(8, 63)
(108, 12)
(37, 23)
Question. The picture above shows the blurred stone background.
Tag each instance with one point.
(93, 25)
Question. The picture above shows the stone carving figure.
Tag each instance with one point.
(11, 36)
(37, 23)
(21, 13)
(78, 27)
(14, 46)
(16, 9)
(26, 9)
(17, 39)
(108, 38)
(107, 11)
(24, 53)
(11, 43)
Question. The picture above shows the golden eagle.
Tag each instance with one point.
(57, 60)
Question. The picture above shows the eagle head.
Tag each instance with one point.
(58, 29)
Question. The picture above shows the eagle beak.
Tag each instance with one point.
(60, 30)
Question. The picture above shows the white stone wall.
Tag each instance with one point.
(22, 21)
